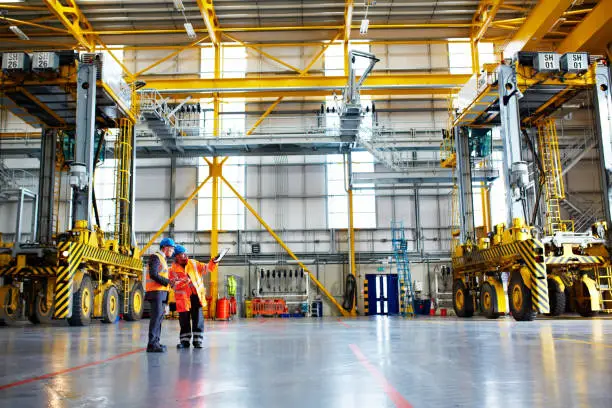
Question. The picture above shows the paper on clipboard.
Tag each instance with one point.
(221, 254)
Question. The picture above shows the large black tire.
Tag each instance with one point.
(110, 305)
(136, 303)
(463, 303)
(520, 299)
(8, 316)
(82, 304)
(40, 313)
(583, 306)
(488, 300)
(556, 298)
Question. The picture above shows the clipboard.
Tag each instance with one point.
(221, 255)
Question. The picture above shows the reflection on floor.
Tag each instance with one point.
(365, 362)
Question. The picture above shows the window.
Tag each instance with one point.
(486, 54)
(232, 123)
(459, 56)
(104, 184)
(364, 201)
(231, 210)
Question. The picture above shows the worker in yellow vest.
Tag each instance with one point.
(158, 285)
(190, 296)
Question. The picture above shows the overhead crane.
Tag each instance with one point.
(550, 268)
(80, 273)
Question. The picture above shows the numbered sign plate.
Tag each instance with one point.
(575, 62)
(546, 62)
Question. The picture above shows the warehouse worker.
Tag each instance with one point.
(158, 285)
(190, 295)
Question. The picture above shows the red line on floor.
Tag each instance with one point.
(391, 392)
(69, 370)
(344, 324)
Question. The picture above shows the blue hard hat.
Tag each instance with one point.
(179, 249)
(167, 242)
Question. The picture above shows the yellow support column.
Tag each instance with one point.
(215, 173)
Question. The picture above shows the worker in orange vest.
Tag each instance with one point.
(190, 295)
(158, 285)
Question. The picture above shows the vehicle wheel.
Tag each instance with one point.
(583, 300)
(520, 299)
(82, 304)
(41, 313)
(463, 303)
(8, 315)
(556, 298)
(110, 305)
(488, 300)
(136, 305)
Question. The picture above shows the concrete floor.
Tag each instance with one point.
(367, 362)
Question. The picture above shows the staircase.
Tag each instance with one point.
(584, 213)
(604, 280)
(158, 116)
(554, 190)
(400, 252)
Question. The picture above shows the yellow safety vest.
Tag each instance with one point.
(153, 286)
(196, 279)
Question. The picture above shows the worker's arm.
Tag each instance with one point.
(154, 268)
(203, 268)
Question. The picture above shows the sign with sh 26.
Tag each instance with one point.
(546, 62)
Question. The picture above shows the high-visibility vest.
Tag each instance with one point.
(182, 292)
(151, 284)
(196, 280)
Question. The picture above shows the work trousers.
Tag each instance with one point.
(192, 323)
(156, 299)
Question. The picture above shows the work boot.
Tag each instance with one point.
(198, 345)
(156, 349)
(183, 345)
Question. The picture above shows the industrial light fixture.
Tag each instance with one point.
(190, 31)
(178, 4)
(17, 31)
(365, 23)
(363, 30)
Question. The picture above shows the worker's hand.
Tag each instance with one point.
(173, 283)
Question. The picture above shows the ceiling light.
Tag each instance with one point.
(178, 4)
(17, 31)
(363, 30)
(190, 31)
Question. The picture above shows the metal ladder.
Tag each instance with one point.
(548, 146)
(400, 252)
(604, 281)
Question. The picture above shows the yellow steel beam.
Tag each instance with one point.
(303, 73)
(75, 22)
(173, 217)
(542, 18)
(285, 247)
(169, 56)
(211, 21)
(348, 19)
(215, 172)
(482, 19)
(262, 52)
(284, 28)
(589, 34)
(309, 85)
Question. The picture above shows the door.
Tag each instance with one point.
(382, 294)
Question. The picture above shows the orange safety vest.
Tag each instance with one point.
(153, 286)
(182, 293)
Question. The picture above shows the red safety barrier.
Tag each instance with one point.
(269, 307)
